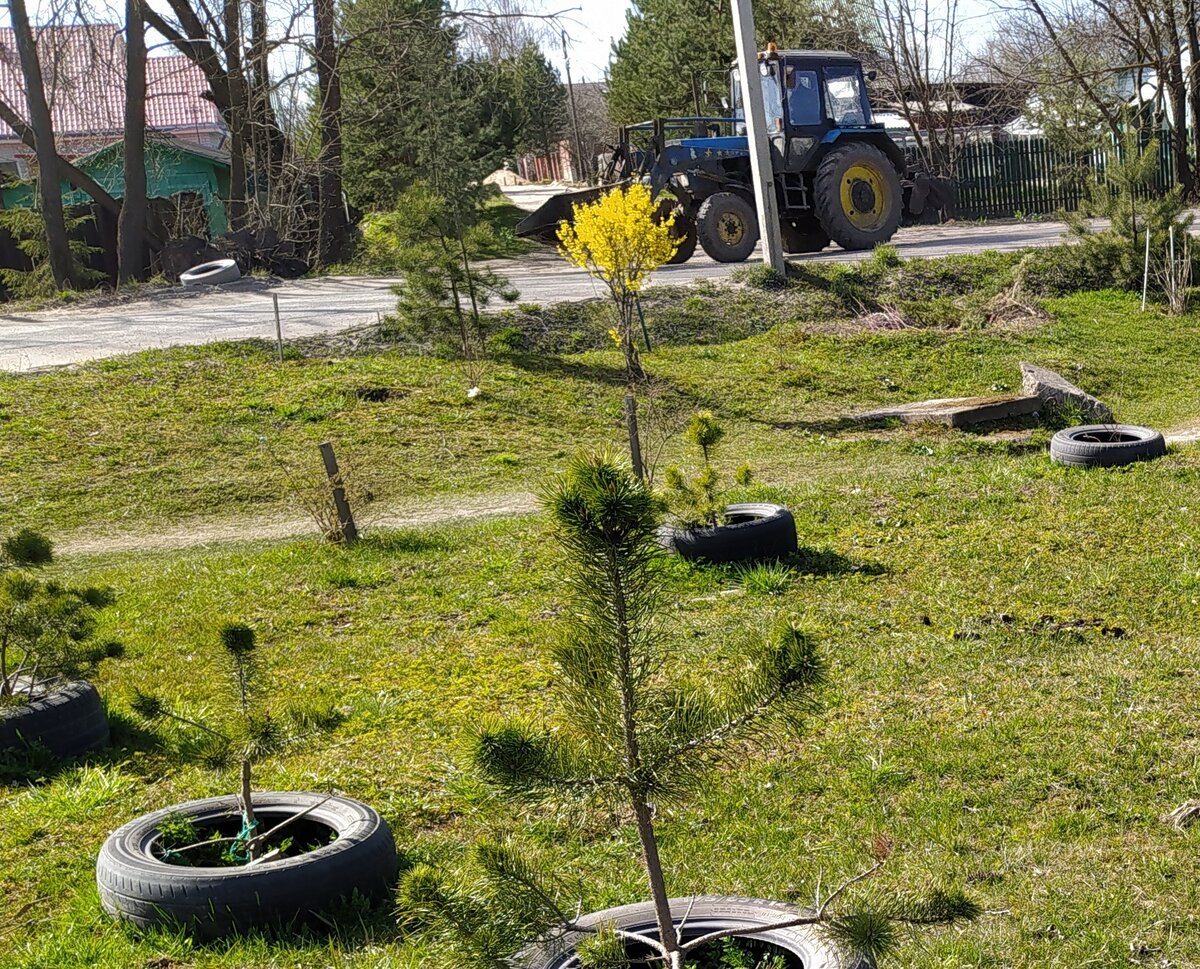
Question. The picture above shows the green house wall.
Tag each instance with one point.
(169, 171)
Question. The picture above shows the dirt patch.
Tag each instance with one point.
(436, 511)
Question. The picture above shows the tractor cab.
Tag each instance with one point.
(809, 97)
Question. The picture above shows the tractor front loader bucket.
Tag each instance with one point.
(542, 224)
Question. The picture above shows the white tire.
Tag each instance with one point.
(212, 273)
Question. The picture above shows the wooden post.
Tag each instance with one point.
(278, 327)
(635, 444)
(349, 531)
(1146, 269)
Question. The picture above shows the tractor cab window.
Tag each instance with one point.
(803, 97)
(845, 100)
(772, 99)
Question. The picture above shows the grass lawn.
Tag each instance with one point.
(216, 432)
(1000, 742)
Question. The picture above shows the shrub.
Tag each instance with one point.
(620, 240)
(698, 501)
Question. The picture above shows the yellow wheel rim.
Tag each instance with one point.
(864, 196)
(731, 229)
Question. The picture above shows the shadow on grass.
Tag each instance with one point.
(837, 425)
(826, 562)
(551, 364)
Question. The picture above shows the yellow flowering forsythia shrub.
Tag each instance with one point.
(620, 241)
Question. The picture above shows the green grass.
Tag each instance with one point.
(1027, 757)
(216, 432)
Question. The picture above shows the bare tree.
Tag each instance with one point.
(1158, 42)
(61, 264)
(333, 225)
(922, 39)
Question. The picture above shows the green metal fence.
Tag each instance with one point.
(1028, 176)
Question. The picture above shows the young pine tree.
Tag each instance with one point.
(699, 502)
(245, 731)
(636, 733)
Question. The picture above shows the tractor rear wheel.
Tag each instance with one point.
(803, 235)
(727, 226)
(858, 196)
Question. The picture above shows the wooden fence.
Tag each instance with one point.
(1028, 176)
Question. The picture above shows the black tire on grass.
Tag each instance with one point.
(704, 914)
(211, 902)
(755, 531)
(1106, 445)
(68, 722)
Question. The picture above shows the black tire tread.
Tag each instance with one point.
(828, 205)
(1065, 448)
(814, 953)
(769, 534)
(706, 227)
(214, 902)
(68, 722)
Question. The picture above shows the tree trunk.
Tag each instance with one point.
(633, 767)
(1180, 156)
(268, 140)
(131, 225)
(334, 226)
(1192, 31)
(236, 114)
(61, 264)
(247, 798)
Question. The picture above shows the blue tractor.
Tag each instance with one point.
(838, 175)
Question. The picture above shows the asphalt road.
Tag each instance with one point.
(307, 307)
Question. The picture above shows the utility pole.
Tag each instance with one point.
(758, 136)
(585, 168)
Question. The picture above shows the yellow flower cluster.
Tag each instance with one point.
(617, 238)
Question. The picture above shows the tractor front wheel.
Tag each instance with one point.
(683, 231)
(858, 196)
(727, 226)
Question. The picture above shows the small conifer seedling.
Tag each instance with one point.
(636, 732)
(699, 502)
(245, 731)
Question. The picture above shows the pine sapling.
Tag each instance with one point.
(699, 501)
(246, 731)
(634, 732)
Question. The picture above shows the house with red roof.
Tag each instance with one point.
(84, 72)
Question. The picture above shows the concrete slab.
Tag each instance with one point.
(1056, 391)
(958, 411)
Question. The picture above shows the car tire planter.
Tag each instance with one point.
(68, 722)
(753, 531)
(704, 914)
(1106, 445)
(211, 273)
(209, 902)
